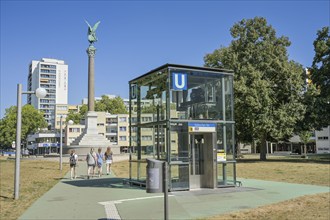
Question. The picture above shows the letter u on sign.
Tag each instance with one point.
(133, 91)
(179, 81)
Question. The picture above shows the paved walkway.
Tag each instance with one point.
(107, 198)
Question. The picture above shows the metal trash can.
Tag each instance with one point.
(154, 183)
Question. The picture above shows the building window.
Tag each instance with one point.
(63, 108)
(50, 96)
(112, 120)
(71, 130)
(122, 138)
(146, 138)
(122, 128)
(146, 119)
(112, 130)
(48, 66)
(323, 138)
(146, 129)
(112, 139)
(47, 71)
(122, 119)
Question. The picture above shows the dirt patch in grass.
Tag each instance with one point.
(121, 169)
(37, 177)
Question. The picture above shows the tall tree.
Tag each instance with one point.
(112, 105)
(32, 119)
(307, 124)
(267, 85)
(320, 75)
(317, 95)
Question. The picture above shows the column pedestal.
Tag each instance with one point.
(89, 137)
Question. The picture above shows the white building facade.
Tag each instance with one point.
(43, 142)
(323, 140)
(51, 74)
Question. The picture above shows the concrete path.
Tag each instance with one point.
(107, 198)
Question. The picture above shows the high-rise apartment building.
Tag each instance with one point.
(51, 74)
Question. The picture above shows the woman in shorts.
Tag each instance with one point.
(99, 156)
(73, 163)
(108, 159)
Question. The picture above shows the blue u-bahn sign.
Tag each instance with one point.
(179, 81)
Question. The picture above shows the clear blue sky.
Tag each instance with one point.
(137, 36)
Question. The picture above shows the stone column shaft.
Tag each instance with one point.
(91, 96)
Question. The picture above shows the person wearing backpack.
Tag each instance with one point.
(73, 163)
(99, 156)
(108, 159)
(91, 162)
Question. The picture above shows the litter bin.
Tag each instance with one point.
(154, 182)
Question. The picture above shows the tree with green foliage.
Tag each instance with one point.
(73, 116)
(76, 117)
(307, 124)
(320, 76)
(32, 120)
(112, 105)
(153, 109)
(149, 109)
(267, 85)
(305, 138)
(83, 110)
(317, 96)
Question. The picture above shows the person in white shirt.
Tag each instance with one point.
(91, 163)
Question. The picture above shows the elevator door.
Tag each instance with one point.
(196, 161)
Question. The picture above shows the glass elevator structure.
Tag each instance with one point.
(184, 115)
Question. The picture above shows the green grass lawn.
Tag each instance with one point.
(38, 176)
(290, 169)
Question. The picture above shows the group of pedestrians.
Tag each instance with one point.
(94, 160)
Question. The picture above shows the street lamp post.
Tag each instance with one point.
(70, 122)
(61, 144)
(40, 93)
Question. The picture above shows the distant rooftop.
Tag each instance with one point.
(49, 60)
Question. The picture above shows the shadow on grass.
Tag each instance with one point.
(7, 198)
(325, 160)
(40, 167)
(60, 178)
(113, 182)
